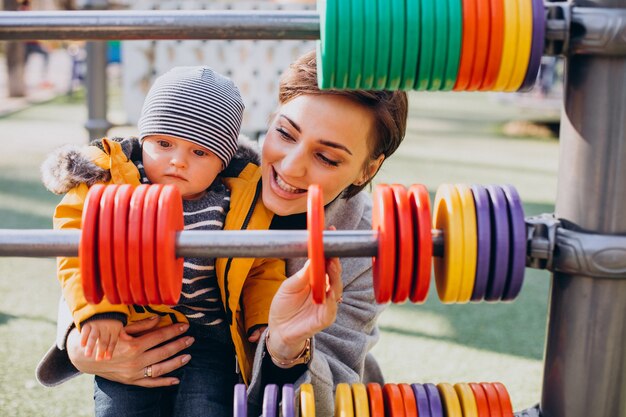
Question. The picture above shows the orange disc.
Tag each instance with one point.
(483, 33)
(394, 406)
(315, 227)
(423, 243)
(481, 400)
(375, 396)
(505, 400)
(133, 252)
(148, 246)
(121, 208)
(384, 222)
(496, 45)
(169, 267)
(408, 398)
(468, 45)
(404, 243)
(88, 246)
(105, 244)
(492, 399)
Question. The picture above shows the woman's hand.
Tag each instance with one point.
(136, 354)
(293, 316)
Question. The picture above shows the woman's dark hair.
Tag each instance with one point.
(389, 108)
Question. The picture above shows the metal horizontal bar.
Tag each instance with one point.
(159, 24)
(214, 243)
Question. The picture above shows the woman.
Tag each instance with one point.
(337, 139)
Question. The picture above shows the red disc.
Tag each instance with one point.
(315, 227)
(505, 400)
(422, 221)
(384, 222)
(404, 243)
(148, 246)
(483, 32)
(88, 246)
(481, 400)
(105, 244)
(394, 406)
(169, 267)
(120, 241)
(468, 46)
(408, 398)
(496, 45)
(492, 400)
(133, 253)
(375, 396)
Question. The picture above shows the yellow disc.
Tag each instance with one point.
(470, 243)
(361, 402)
(307, 401)
(343, 401)
(450, 401)
(448, 218)
(509, 49)
(525, 41)
(468, 402)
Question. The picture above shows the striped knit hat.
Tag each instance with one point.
(196, 104)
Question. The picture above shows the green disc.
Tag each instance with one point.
(412, 46)
(370, 44)
(441, 45)
(384, 45)
(328, 40)
(427, 42)
(356, 48)
(398, 36)
(454, 44)
(343, 47)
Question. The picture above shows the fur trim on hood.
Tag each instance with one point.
(70, 165)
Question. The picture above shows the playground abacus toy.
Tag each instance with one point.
(459, 45)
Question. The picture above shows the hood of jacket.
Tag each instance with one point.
(72, 165)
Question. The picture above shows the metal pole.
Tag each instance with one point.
(97, 124)
(213, 243)
(585, 358)
(161, 24)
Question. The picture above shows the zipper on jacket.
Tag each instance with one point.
(246, 221)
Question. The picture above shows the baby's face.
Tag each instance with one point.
(172, 160)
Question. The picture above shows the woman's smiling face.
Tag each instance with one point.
(315, 139)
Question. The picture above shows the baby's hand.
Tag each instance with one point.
(100, 334)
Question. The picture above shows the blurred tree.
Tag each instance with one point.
(15, 56)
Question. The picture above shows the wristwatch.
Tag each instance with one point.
(303, 357)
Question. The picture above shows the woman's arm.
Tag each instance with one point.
(137, 348)
(343, 334)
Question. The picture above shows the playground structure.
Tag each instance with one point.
(583, 244)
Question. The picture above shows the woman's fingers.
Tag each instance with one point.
(298, 281)
(166, 351)
(158, 336)
(333, 270)
(141, 326)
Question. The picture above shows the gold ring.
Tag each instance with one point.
(340, 300)
(147, 371)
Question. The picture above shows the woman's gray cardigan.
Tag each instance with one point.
(339, 353)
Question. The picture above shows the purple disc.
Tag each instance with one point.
(287, 401)
(539, 33)
(517, 228)
(483, 222)
(434, 400)
(421, 399)
(499, 263)
(241, 401)
(270, 401)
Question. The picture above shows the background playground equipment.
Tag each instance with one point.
(588, 292)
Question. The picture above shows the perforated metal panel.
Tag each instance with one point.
(254, 66)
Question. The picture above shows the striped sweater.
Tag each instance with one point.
(200, 298)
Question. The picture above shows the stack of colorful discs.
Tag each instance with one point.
(460, 45)
(120, 242)
(485, 243)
